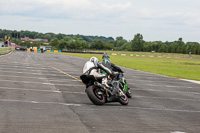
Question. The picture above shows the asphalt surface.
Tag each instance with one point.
(41, 93)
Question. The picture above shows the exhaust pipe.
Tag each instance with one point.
(102, 86)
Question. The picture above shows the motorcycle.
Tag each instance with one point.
(99, 94)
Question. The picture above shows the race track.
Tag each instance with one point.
(41, 93)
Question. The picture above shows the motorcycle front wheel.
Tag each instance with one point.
(123, 99)
(95, 95)
(128, 93)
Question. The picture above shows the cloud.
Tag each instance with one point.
(109, 17)
(76, 9)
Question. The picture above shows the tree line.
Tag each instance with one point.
(81, 42)
(49, 36)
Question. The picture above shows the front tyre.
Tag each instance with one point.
(128, 93)
(123, 99)
(95, 95)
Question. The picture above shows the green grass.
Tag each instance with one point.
(181, 66)
(4, 50)
(171, 55)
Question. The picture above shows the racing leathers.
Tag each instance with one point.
(90, 69)
(106, 62)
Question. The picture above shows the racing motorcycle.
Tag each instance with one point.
(99, 94)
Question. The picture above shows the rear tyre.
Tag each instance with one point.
(95, 96)
(123, 99)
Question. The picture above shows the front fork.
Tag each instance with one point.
(125, 87)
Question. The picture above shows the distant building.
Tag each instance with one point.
(25, 39)
(41, 40)
(34, 40)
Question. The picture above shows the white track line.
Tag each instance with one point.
(166, 98)
(145, 108)
(195, 93)
(27, 82)
(193, 81)
(36, 70)
(38, 102)
(26, 89)
(59, 74)
(157, 109)
(49, 79)
(169, 81)
(157, 85)
(37, 90)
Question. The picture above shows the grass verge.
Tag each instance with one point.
(177, 67)
(4, 50)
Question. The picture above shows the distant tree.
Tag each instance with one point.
(60, 36)
(54, 42)
(173, 47)
(67, 38)
(62, 44)
(108, 46)
(199, 50)
(98, 44)
(195, 48)
(180, 46)
(47, 36)
(120, 43)
(119, 38)
(126, 46)
(147, 47)
(79, 44)
(163, 48)
(137, 43)
(188, 47)
(39, 35)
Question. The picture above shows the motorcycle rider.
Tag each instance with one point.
(94, 67)
(107, 63)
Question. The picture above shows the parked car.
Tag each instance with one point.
(20, 48)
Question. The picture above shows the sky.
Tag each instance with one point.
(156, 20)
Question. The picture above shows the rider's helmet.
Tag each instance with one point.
(94, 60)
(105, 56)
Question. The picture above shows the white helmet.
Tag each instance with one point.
(94, 60)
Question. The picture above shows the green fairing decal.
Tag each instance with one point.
(104, 73)
(105, 60)
(125, 86)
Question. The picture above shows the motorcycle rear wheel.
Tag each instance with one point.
(94, 96)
